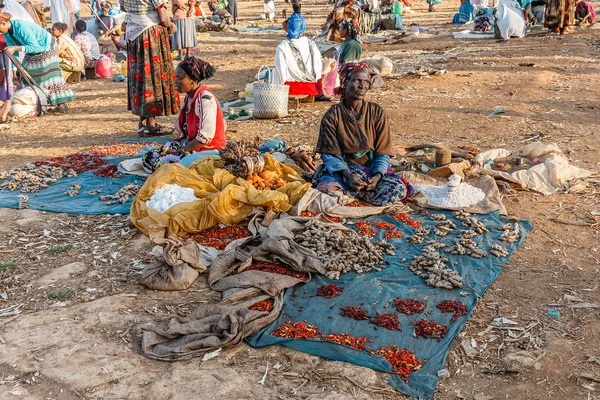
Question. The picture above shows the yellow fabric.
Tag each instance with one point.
(223, 198)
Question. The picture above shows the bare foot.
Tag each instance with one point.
(4, 111)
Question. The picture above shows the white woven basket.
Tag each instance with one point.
(270, 99)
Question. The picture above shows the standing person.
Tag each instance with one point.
(87, 44)
(432, 3)
(76, 7)
(59, 12)
(150, 85)
(7, 82)
(232, 7)
(344, 10)
(70, 57)
(298, 59)
(560, 15)
(350, 50)
(41, 57)
(184, 37)
(585, 13)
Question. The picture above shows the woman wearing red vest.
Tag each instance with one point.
(201, 124)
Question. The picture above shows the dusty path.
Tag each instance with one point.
(87, 345)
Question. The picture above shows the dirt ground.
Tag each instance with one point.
(83, 341)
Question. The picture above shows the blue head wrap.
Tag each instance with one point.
(296, 26)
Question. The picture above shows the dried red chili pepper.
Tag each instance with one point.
(406, 219)
(265, 305)
(296, 330)
(346, 340)
(358, 203)
(108, 171)
(354, 312)
(219, 238)
(330, 291)
(404, 362)
(393, 234)
(385, 225)
(333, 219)
(457, 307)
(388, 321)
(364, 225)
(429, 329)
(409, 306)
(78, 162)
(119, 149)
(276, 269)
(307, 214)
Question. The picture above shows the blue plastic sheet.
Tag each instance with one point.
(376, 292)
(54, 198)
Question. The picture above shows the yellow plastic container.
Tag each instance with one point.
(124, 68)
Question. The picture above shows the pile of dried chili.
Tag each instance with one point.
(406, 219)
(108, 171)
(78, 162)
(457, 307)
(333, 219)
(358, 203)
(355, 312)
(393, 234)
(265, 305)
(296, 330)
(330, 291)
(364, 229)
(307, 214)
(219, 238)
(409, 306)
(385, 225)
(346, 340)
(388, 321)
(429, 329)
(274, 268)
(119, 149)
(404, 362)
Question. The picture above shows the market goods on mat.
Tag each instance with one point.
(119, 149)
(220, 237)
(296, 330)
(510, 234)
(437, 245)
(468, 234)
(242, 158)
(422, 232)
(266, 180)
(73, 190)
(78, 162)
(330, 291)
(309, 214)
(429, 329)
(355, 312)
(342, 251)
(415, 239)
(346, 340)
(403, 362)
(442, 228)
(365, 229)
(30, 178)
(431, 266)
(466, 247)
(461, 214)
(108, 171)
(275, 268)
(453, 306)
(498, 251)
(393, 234)
(265, 306)
(409, 306)
(463, 195)
(385, 225)
(437, 217)
(388, 321)
(122, 196)
(475, 225)
(406, 219)
(168, 195)
(358, 203)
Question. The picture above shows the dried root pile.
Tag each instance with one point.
(122, 196)
(30, 178)
(475, 225)
(432, 267)
(511, 233)
(467, 247)
(499, 251)
(442, 228)
(342, 251)
(74, 190)
(242, 159)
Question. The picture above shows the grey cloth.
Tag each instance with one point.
(185, 36)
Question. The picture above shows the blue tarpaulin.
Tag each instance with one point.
(54, 198)
(376, 291)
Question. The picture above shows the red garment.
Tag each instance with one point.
(303, 88)
(194, 122)
(584, 8)
(3, 44)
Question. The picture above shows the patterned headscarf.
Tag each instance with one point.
(296, 26)
(350, 26)
(197, 69)
(346, 72)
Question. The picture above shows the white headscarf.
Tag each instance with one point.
(16, 10)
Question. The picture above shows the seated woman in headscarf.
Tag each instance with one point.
(466, 13)
(350, 50)
(356, 145)
(201, 125)
(298, 60)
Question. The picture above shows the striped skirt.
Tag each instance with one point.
(45, 71)
(185, 36)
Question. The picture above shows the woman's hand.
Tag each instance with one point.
(355, 183)
(12, 49)
(373, 181)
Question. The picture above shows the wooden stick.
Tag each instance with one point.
(96, 15)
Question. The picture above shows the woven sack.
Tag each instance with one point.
(270, 99)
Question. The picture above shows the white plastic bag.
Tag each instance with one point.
(510, 21)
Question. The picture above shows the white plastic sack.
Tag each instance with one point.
(380, 65)
(24, 103)
(510, 21)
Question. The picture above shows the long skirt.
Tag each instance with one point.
(560, 14)
(45, 71)
(185, 36)
(150, 87)
(233, 10)
(7, 84)
(390, 189)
